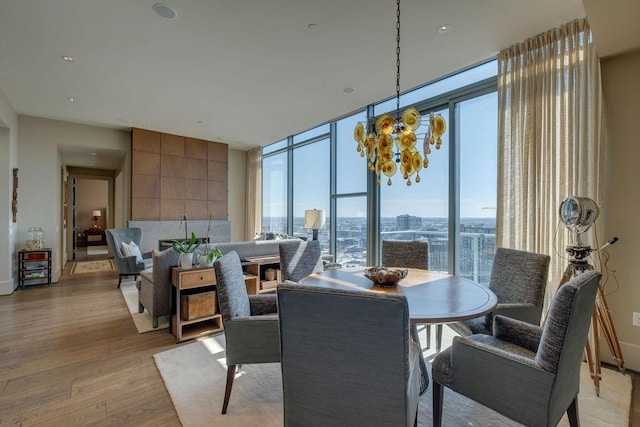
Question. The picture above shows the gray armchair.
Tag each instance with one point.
(298, 259)
(527, 373)
(347, 358)
(126, 265)
(154, 287)
(410, 254)
(519, 280)
(250, 321)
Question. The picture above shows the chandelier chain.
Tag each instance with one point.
(398, 59)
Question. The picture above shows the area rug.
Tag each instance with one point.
(142, 320)
(97, 250)
(84, 267)
(194, 375)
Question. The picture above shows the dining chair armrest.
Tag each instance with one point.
(252, 339)
(503, 392)
(522, 311)
(517, 332)
(263, 304)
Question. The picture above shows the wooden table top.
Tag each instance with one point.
(432, 297)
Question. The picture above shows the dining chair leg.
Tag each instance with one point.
(427, 331)
(119, 280)
(438, 395)
(231, 373)
(438, 337)
(572, 413)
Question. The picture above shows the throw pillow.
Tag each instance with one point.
(131, 249)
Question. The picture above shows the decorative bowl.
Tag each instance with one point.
(382, 276)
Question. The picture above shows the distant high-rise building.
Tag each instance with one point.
(408, 222)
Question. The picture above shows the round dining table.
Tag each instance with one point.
(432, 297)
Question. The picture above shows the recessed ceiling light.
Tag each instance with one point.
(73, 99)
(93, 154)
(312, 27)
(164, 11)
(444, 29)
(68, 58)
(348, 90)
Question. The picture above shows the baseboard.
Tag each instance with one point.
(7, 287)
(630, 355)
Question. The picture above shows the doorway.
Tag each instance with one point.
(90, 213)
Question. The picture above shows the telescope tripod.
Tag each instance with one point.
(601, 317)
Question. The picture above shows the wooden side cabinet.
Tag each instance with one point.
(34, 267)
(194, 308)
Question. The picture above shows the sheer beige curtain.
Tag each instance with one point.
(253, 201)
(551, 138)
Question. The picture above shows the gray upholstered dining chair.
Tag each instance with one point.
(410, 254)
(299, 258)
(250, 321)
(519, 280)
(347, 358)
(528, 373)
(126, 265)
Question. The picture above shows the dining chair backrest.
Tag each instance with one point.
(233, 299)
(519, 276)
(299, 258)
(405, 253)
(345, 357)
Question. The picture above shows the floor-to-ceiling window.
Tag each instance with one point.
(452, 207)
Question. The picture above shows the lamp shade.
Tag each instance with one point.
(314, 219)
(96, 212)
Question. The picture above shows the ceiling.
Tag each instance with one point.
(248, 73)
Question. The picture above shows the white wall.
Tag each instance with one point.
(39, 191)
(237, 187)
(621, 90)
(8, 161)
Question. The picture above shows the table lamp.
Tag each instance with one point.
(96, 214)
(314, 219)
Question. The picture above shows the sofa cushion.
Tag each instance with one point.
(131, 249)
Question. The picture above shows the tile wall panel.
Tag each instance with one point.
(145, 186)
(196, 168)
(147, 163)
(217, 171)
(171, 188)
(172, 166)
(196, 208)
(171, 209)
(145, 140)
(218, 152)
(217, 191)
(196, 148)
(145, 209)
(172, 145)
(195, 189)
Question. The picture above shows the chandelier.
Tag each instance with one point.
(378, 145)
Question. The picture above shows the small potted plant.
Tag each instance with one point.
(208, 255)
(186, 250)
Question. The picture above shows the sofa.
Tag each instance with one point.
(154, 286)
(251, 249)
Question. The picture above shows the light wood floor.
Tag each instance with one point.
(70, 355)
